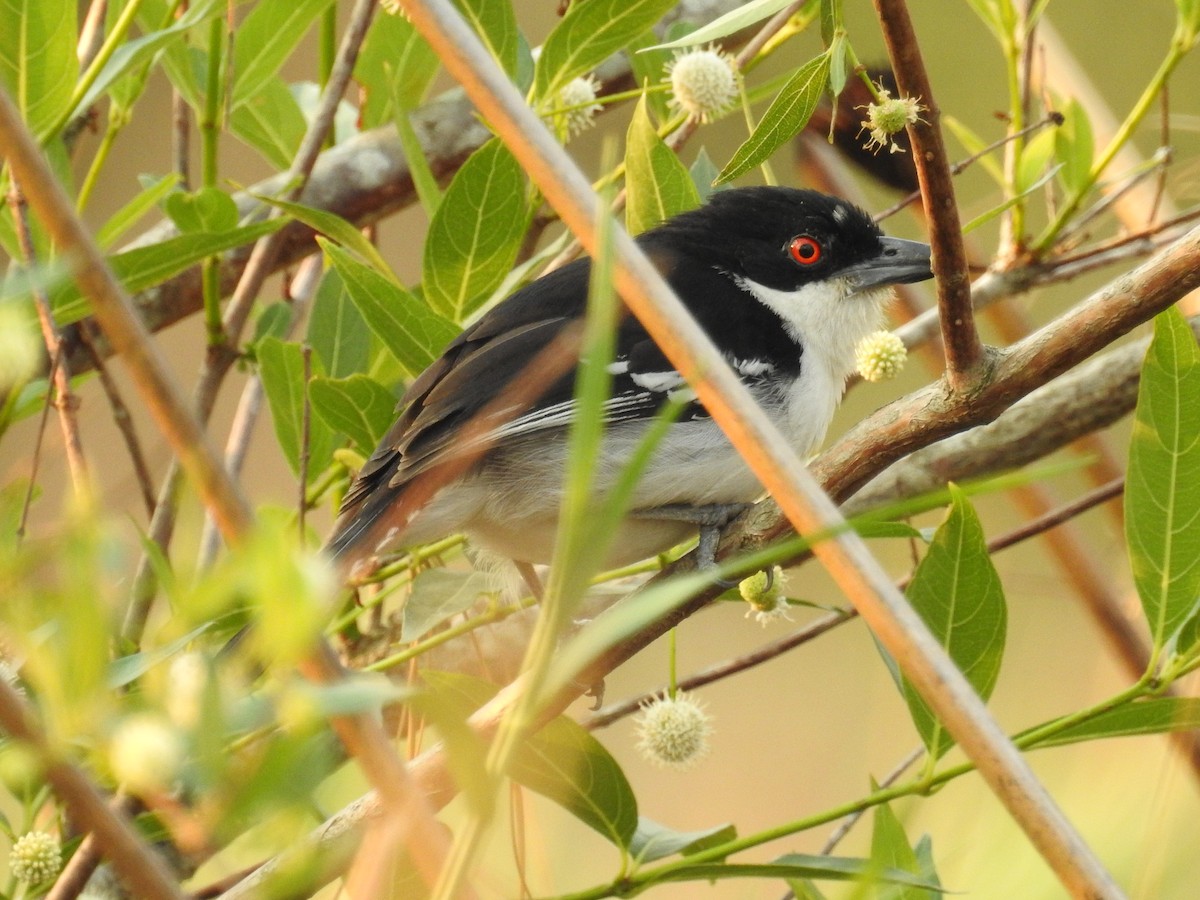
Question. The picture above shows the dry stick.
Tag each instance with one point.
(65, 400)
(36, 457)
(122, 419)
(781, 472)
(219, 358)
(964, 351)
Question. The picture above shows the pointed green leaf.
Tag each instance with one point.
(657, 184)
(1162, 491)
(37, 58)
(143, 267)
(890, 850)
(1035, 157)
(1157, 715)
(476, 233)
(271, 122)
(438, 594)
(264, 41)
(357, 406)
(1075, 146)
(565, 763)
(801, 865)
(788, 113)
(206, 210)
(957, 591)
(336, 329)
(334, 226)
(496, 25)
(588, 34)
(395, 68)
(411, 331)
(704, 172)
(281, 366)
(653, 841)
(649, 68)
(733, 21)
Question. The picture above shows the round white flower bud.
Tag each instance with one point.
(880, 356)
(704, 83)
(673, 732)
(146, 754)
(36, 857)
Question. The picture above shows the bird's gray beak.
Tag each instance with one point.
(899, 262)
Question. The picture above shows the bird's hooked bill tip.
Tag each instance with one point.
(899, 261)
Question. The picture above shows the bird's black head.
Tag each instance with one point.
(784, 238)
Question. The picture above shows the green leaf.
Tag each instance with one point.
(144, 267)
(801, 865)
(788, 113)
(271, 122)
(704, 172)
(476, 233)
(265, 40)
(206, 210)
(1035, 158)
(957, 592)
(890, 850)
(451, 699)
(649, 68)
(127, 669)
(1075, 147)
(153, 190)
(565, 763)
(657, 184)
(1162, 490)
(653, 841)
(1157, 715)
(37, 58)
(438, 594)
(281, 366)
(357, 406)
(411, 331)
(1188, 21)
(588, 34)
(141, 50)
(336, 329)
(496, 25)
(395, 68)
(735, 20)
(334, 226)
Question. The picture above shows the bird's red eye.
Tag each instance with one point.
(805, 250)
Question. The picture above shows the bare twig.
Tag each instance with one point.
(36, 456)
(964, 351)
(843, 829)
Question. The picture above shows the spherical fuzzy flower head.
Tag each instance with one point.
(36, 857)
(704, 82)
(763, 591)
(578, 99)
(146, 754)
(889, 116)
(673, 733)
(880, 356)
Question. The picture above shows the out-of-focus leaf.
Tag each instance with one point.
(787, 114)
(496, 25)
(153, 190)
(265, 39)
(127, 669)
(657, 184)
(1075, 147)
(281, 366)
(476, 233)
(957, 591)
(1157, 715)
(1035, 158)
(704, 172)
(37, 58)
(563, 762)
(358, 406)
(411, 331)
(438, 594)
(336, 329)
(653, 841)
(735, 20)
(271, 122)
(144, 267)
(1162, 489)
(802, 865)
(587, 35)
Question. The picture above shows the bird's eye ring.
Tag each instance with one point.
(805, 250)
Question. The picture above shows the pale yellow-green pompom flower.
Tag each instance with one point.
(36, 857)
(704, 83)
(889, 116)
(578, 103)
(673, 732)
(880, 356)
(763, 591)
(146, 754)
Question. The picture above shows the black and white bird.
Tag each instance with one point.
(785, 282)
